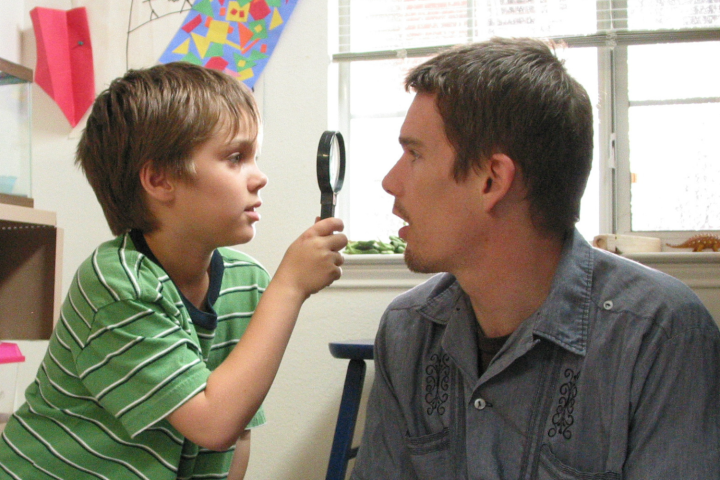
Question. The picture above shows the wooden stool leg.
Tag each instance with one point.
(342, 450)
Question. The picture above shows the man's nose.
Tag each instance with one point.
(390, 182)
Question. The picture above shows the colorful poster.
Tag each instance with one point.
(234, 36)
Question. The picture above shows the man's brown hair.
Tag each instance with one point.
(158, 115)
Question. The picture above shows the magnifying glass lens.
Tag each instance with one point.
(334, 161)
(330, 170)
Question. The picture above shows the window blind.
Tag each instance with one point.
(373, 29)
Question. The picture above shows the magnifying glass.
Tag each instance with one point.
(330, 170)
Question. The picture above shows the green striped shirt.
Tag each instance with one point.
(124, 354)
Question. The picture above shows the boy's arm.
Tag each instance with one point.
(216, 417)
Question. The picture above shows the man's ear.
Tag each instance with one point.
(498, 178)
(156, 183)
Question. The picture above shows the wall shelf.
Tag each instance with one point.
(30, 272)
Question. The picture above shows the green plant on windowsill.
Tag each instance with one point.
(396, 245)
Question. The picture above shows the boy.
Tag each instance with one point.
(164, 351)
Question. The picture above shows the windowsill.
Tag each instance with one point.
(676, 257)
(700, 269)
(378, 271)
(695, 269)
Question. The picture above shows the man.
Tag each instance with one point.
(534, 356)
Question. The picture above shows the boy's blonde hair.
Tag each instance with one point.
(158, 115)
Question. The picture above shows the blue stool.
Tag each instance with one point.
(357, 352)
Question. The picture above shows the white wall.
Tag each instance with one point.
(302, 405)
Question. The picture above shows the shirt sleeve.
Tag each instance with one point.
(675, 428)
(382, 452)
(140, 364)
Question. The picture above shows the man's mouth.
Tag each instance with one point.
(400, 212)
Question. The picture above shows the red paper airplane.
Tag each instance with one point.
(64, 59)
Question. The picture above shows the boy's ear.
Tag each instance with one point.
(156, 183)
(498, 180)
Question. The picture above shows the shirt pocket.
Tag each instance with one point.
(551, 468)
(430, 455)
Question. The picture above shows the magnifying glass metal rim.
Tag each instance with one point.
(329, 187)
(323, 162)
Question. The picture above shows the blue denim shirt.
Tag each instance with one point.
(616, 376)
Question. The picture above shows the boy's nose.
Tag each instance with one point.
(259, 180)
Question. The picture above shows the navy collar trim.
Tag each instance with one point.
(204, 319)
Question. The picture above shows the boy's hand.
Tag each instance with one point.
(313, 261)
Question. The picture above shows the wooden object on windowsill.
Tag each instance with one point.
(622, 244)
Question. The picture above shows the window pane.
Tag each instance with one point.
(676, 14)
(377, 88)
(536, 18)
(378, 102)
(675, 160)
(674, 142)
(374, 151)
(393, 24)
(582, 64)
(674, 71)
(372, 25)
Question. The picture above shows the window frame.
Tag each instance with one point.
(621, 176)
(613, 135)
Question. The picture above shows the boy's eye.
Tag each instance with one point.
(241, 153)
(236, 158)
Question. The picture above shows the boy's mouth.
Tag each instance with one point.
(252, 213)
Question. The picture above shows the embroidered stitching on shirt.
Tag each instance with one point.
(437, 383)
(563, 418)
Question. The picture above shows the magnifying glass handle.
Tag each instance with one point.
(327, 211)
(327, 205)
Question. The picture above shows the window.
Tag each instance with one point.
(652, 68)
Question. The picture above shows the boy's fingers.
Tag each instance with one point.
(337, 242)
(340, 259)
(329, 225)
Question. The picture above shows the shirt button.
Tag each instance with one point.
(608, 305)
(480, 403)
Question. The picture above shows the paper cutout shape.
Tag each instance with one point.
(10, 353)
(64, 59)
(234, 36)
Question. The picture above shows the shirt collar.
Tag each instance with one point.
(561, 319)
(205, 319)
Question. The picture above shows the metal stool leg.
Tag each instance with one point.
(342, 450)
